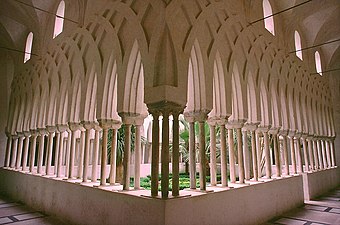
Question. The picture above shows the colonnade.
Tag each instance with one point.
(248, 152)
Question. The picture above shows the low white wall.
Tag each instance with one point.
(253, 204)
(320, 182)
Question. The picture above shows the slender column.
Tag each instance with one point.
(138, 146)
(332, 152)
(51, 131)
(68, 152)
(328, 153)
(192, 155)
(81, 153)
(19, 154)
(113, 161)
(246, 154)
(323, 152)
(292, 151)
(33, 150)
(267, 153)
(213, 166)
(254, 154)
(298, 152)
(165, 155)
(60, 150)
(259, 153)
(202, 156)
(8, 149)
(318, 144)
(88, 126)
(95, 154)
(231, 155)
(276, 153)
(285, 152)
(14, 151)
(25, 155)
(240, 155)
(224, 164)
(155, 154)
(103, 155)
(310, 153)
(305, 152)
(315, 151)
(175, 155)
(42, 133)
(126, 160)
(58, 139)
(73, 127)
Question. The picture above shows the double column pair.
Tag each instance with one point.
(165, 109)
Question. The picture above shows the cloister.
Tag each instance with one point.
(259, 95)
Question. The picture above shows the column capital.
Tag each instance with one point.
(291, 133)
(132, 119)
(62, 127)
(237, 124)
(283, 132)
(304, 135)
(51, 129)
(263, 129)
(214, 121)
(274, 130)
(109, 123)
(159, 108)
(251, 126)
(34, 132)
(298, 134)
(27, 133)
(42, 131)
(196, 116)
(8, 134)
(20, 134)
(74, 126)
(88, 125)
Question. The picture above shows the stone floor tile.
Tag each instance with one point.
(288, 221)
(5, 220)
(27, 216)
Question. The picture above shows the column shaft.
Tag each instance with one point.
(202, 156)
(155, 155)
(8, 151)
(277, 155)
(254, 155)
(49, 152)
(68, 153)
(231, 155)
(138, 146)
(32, 153)
(41, 152)
(224, 164)
(285, 153)
(103, 157)
(192, 155)
(259, 154)
(240, 155)
(19, 154)
(311, 155)
(299, 156)
(72, 154)
(86, 155)
(246, 155)
(57, 151)
(316, 157)
(328, 153)
(213, 179)
(332, 153)
(59, 162)
(25, 156)
(267, 155)
(113, 161)
(320, 155)
(292, 151)
(323, 152)
(81, 154)
(175, 156)
(305, 153)
(126, 160)
(95, 156)
(165, 156)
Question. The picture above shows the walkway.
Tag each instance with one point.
(325, 210)
(14, 213)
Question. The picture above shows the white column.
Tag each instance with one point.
(319, 148)
(58, 139)
(33, 150)
(95, 154)
(155, 153)
(292, 152)
(14, 151)
(8, 149)
(298, 152)
(202, 158)
(310, 153)
(103, 154)
(165, 155)
(224, 163)
(259, 152)
(246, 154)
(192, 155)
(113, 158)
(68, 152)
(323, 152)
(51, 130)
(19, 152)
(332, 152)
(25, 155)
(267, 153)
(231, 155)
(88, 126)
(42, 133)
(305, 152)
(274, 133)
(81, 153)
(285, 152)
(138, 145)
(175, 153)
(254, 154)
(213, 167)
(73, 127)
(59, 162)
(328, 153)
(126, 160)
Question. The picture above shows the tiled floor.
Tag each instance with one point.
(14, 213)
(325, 210)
